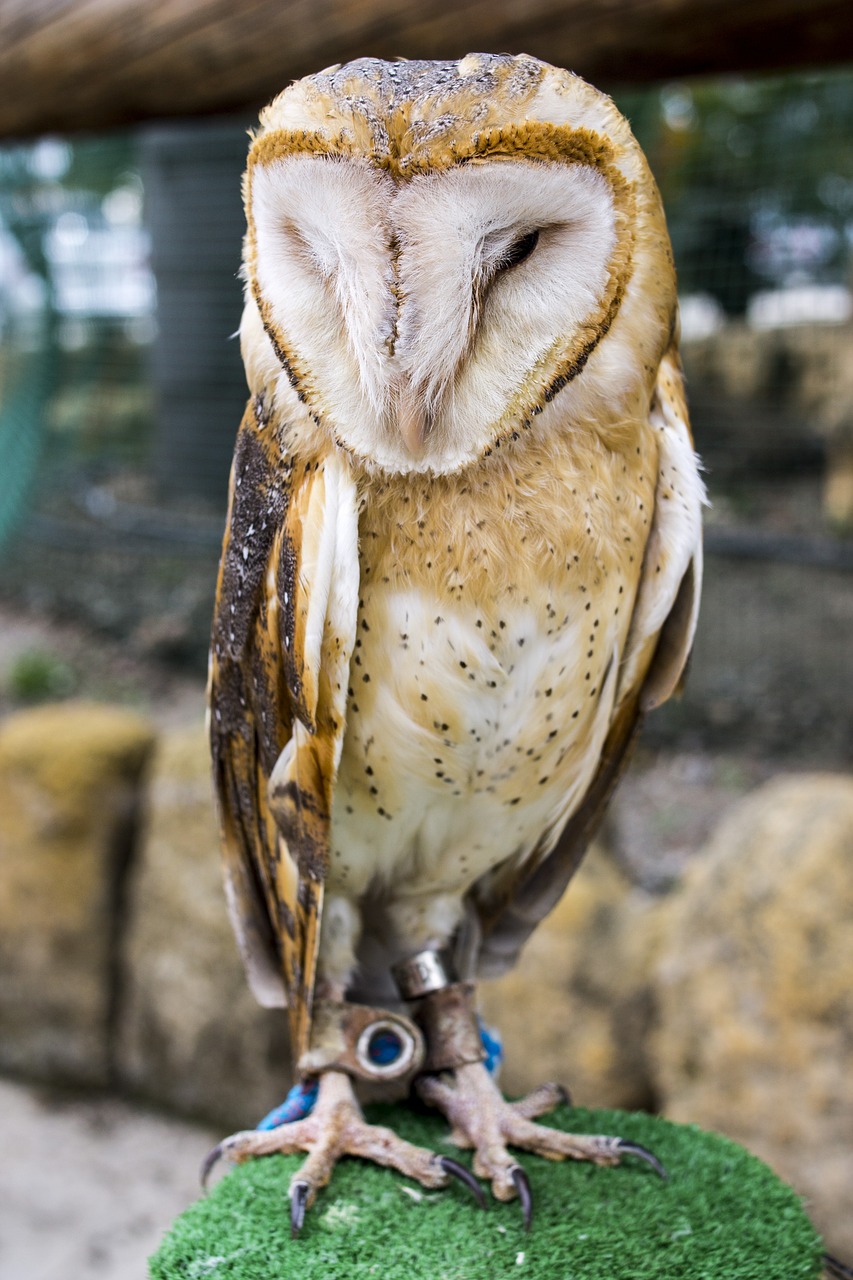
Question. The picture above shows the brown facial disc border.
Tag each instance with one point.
(540, 142)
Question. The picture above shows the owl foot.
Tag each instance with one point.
(837, 1270)
(336, 1127)
(484, 1121)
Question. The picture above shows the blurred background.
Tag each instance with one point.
(701, 966)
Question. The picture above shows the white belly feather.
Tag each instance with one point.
(469, 735)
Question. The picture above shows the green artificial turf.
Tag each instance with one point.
(722, 1215)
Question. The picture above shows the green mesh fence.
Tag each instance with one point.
(120, 386)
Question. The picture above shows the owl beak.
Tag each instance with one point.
(413, 418)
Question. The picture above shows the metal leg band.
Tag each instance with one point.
(421, 974)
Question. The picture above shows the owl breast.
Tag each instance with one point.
(491, 623)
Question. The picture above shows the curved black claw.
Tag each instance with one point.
(565, 1095)
(298, 1201)
(837, 1269)
(634, 1149)
(457, 1170)
(525, 1195)
(208, 1162)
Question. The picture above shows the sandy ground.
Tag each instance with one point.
(88, 1186)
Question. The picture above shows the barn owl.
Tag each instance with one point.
(462, 559)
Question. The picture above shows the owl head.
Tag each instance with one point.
(442, 256)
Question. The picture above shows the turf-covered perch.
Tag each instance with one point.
(722, 1215)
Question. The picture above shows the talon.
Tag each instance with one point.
(208, 1162)
(457, 1170)
(837, 1269)
(298, 1201)
(525, 1195)
(565, 1096)
(634, 1149)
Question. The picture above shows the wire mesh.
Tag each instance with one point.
(121, 389)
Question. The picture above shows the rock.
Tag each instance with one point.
(754, 990)
(576, 1007)
(70, 780)
(793, 385)
(191, 1035)
(838, 490)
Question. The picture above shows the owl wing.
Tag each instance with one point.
(283, 633)
(508, 907)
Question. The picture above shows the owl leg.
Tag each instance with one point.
(458, 1084)
(483, 1121)
(334, 1128)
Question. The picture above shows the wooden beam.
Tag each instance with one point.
(68, 65)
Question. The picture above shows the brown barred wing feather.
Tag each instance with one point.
(283, 631)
